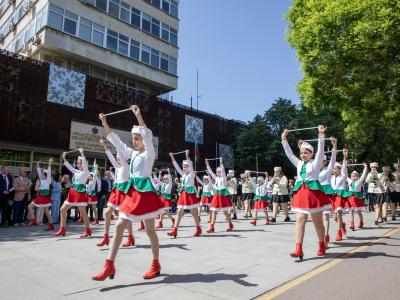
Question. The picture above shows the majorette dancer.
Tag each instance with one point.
(339, 185)
(261, 198)
(91, 194)
(309, 199)
(355, 196)
(388, 182)
(120, 188)
(232, 185)
(375, 191)
(188, 196)
(206, 195)
(43, 195)
(280, 193)
(166, 197)
(221, 201)
(325, 177)
(141, 201)
(77, 194)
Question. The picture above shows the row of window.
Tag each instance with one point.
(14, 18)
(169, 6)
(136, 18)
(87, 30)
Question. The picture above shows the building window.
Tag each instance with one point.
(135, 17)
(85, 29)
(172, 66)
(101, 4)
(164, 62)
(124, 13)
(173, 37)
(55, 17)
(155, 27)
(165, 32)
(145, 56)
(173, 10)
(113, 8)
(70, 22)
(112, 40)
(165, 6)
(135, 50)
(123, 45)
(155, 58)
(146, 22)
(98, 34)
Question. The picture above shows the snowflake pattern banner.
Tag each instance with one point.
(66, 87)
(226, 152)
(193, 130)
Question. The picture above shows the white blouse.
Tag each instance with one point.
(44, 183)
(280, 187)
(325, 175)
(187, 178)
(122, 172)
(219, 181)
(80, 177)
(340, 182)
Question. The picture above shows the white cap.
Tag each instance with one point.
(206, 177)
(165, 176)
(136, 130)
(308, 146)
(325, 157)
(219, 169)
(231, 172)
(354, 172)
(277, 169)
(338, 165)
(260, 178)
(44, 171)
(185, 162)
(373, 165)
(91, 173)
(80, 158)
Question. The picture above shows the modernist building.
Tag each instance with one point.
(130, 42)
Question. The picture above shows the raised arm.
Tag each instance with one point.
(48, 175)
(212, 174)
(68, 165)
(84, 161)
(190, 163)
(38, 170)
(177, 167)
(252, 182)
(363, 176)
(111, 158)
(199, 181)
(289, 153)
(121, 147)
(344, 166)
(333, 156)
(319, 156)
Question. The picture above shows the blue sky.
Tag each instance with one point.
(240, 50)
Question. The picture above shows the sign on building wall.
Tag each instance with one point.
(66, 87)
(226, 152)
(87, 136)
(193, 130)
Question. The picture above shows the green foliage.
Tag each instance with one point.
(350, 56)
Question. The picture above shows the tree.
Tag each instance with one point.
(350, 56)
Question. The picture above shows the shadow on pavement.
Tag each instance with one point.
(189, 278)
(331, 255)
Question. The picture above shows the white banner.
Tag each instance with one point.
(87, 136)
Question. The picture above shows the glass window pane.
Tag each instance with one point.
(57, 9)
(55, 21)
(113, 9)
(124, 15)
(164, 64)
(146, 23)
(98, 38)
(174, 9)
(155, 60)
(135, 52)
(173, 39)
(102, 4)
(135, 17)
(165, 6)
(70, 26)
(123, 48)
(155, 27)
(98, 27)
(145, 57)
(71, 15)
(85, 32)
(86, 22)
(112, 43)
(156, 3)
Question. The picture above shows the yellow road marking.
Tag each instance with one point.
(303, 278)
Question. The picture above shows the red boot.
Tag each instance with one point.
(86, 233)
(104, 241)
(339, 235)
(32, 223)
(254, 222)
(198, 231)
(129, 242)
(154, 271)
(50, 227)
(352, 226)
(266, 221)
(141, 228)
(326, 240)
(361, 224)
(230, 226)
(298, 252)
(211, 229)
(62, 232)
(108, 271)
(160, 225)
(343, 229)
(321, 248)
(95, 222)
(173, 232)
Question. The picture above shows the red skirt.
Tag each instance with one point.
(206, 200)
(42, 201)
(188, 201)
(332, 201)
(91, 199)
(309, 201)
(140, 205)
(356, 203)
(339, 203)
(76, 198)
(116, 198)
(261, 205)
(221, 203)
(167, 203)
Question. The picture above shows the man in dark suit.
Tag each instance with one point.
(6, 189)
(106, 188)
